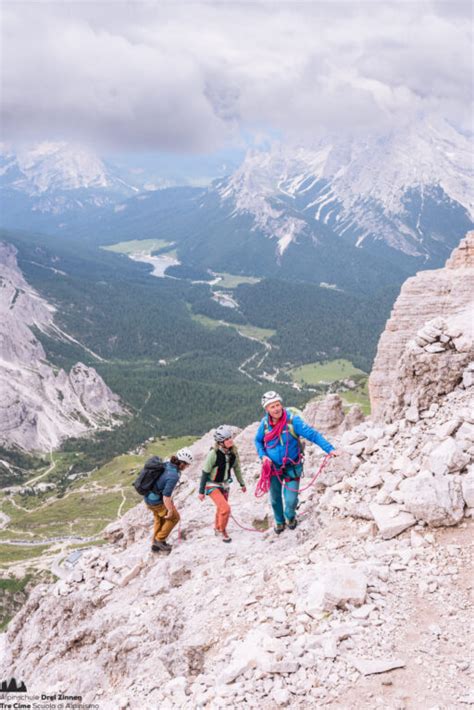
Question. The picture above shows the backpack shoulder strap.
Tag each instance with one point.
(291, 428)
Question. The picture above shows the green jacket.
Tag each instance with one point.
(217, 469)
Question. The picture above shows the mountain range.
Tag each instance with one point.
(42, 183)
(331, 230)
(383, 189)
(342, 211)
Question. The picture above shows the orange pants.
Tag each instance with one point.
(162, 527)
(219, 499)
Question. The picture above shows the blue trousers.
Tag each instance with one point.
(284, 500)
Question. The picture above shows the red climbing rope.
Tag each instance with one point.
(263, 483)
(305, 488)
(244, 528)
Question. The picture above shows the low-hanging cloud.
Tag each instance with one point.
(194, 76)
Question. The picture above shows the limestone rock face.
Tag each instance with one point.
(353, 417)
(40, 406)
(428, 341)
(463, 256)
(327, 415)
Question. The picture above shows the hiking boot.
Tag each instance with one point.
(279, 527)
(224, 535)
(292, 523)
(161, 546)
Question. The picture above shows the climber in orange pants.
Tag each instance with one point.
(216, 477)
(220, 498)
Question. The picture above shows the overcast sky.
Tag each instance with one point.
(195, 77)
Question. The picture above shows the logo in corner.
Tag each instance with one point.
(12, 686)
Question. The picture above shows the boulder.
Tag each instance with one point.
(335, 585)
(412, 415)
(447, 457)
(436, 500)
(390, 519)
(326, 415)
(465, 433)
(247, 654)
(447, 428)
(435, 348)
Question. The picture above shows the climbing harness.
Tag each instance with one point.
(268, 470)
(305, 488)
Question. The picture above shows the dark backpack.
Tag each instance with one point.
(149, 475)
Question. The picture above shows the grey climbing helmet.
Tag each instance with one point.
(222, 433)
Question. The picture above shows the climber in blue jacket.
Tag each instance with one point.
(278, 441)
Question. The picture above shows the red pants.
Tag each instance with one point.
(219, 498)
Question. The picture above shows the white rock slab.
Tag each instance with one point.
(378, 665)
(285, 666)
(466, 432)
(448, 457)
(390, 519)
(468, 378)
(447, 428)
(437, 500)
(335, 585)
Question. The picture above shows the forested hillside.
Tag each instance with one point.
(176, 375)
(311, 320)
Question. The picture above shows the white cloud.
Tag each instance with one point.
(192, 76)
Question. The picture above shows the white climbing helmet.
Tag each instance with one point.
(185, 455)
(269, 398)
(222, 433)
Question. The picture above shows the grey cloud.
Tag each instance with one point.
(189, 76)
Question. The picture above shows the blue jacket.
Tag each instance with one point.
(164, 486)
(288, 445)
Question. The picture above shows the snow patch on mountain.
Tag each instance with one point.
(60, 176)
(357, 187)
